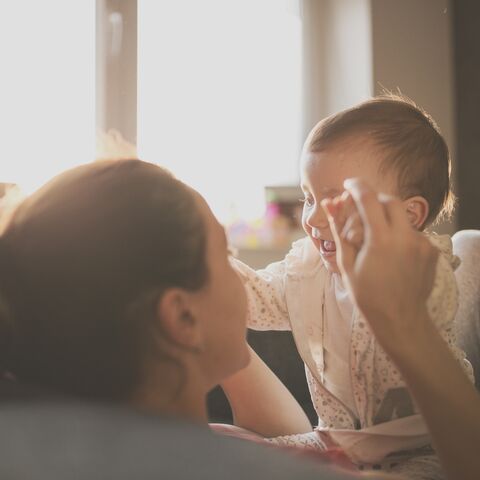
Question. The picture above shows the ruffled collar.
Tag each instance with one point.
(303, 259)
(444, 244)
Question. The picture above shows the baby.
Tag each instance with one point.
(362, 402)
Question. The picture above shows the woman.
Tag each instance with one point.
(116, 286)
(389, 268)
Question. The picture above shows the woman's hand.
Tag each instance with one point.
(389, 269)
(387, 265)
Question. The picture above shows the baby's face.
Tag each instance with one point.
(322, 176)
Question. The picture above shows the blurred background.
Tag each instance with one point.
(223, 92)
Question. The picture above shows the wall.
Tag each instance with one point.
(467, 79)
(413, 51)
(337, 56)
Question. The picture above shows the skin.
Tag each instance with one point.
(252, 392)
(390, 274)
(322, 176)
(204, 331)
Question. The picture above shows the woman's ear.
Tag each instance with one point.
(417, 209)
(176, 321)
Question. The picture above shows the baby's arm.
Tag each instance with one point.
(262, 404)
(259, 401)
(267, 307)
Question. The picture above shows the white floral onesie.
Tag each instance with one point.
(385, 430)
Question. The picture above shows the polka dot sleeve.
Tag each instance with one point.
(267, 308)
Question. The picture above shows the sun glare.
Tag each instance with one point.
(47, 83)
(219, 96)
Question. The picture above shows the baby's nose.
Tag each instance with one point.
(318, 219)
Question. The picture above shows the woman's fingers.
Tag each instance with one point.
(353, 230)
(369, 207)
(346, 252)
(348, 222)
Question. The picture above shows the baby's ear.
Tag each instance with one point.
(417, 209)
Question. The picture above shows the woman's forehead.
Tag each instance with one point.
(215, 231)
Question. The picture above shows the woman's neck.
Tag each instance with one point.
(191, 407)
(171, 394)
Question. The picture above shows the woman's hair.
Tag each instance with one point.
(83, 262)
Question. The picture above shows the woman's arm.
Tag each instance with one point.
(390, 275)
(262, 404)
(448, 401)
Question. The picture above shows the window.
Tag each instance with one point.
(219, 96)
(47, 94)
(219, 91)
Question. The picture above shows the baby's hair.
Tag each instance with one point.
(410, 144)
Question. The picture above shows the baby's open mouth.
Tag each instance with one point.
(328, 246)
